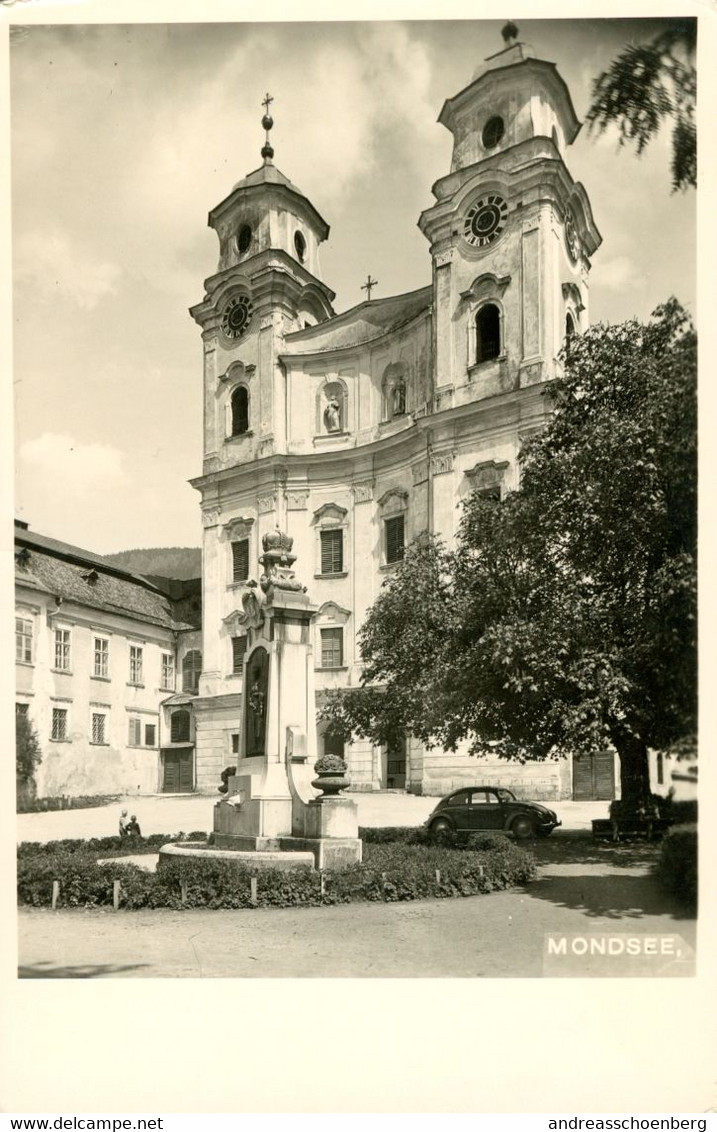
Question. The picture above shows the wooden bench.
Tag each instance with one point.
(604, 829)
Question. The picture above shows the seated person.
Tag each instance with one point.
(123, 824)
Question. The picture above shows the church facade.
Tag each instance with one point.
(354, 433)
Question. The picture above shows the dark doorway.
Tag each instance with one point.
(594, 777)
(178, 771)
(396, 766)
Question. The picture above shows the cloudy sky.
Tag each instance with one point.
(124, 136)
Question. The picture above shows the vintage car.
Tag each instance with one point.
(490, 808)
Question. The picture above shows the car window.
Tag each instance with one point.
(459, 799)
(480, 797)
(505, 795)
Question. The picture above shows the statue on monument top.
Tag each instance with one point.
(277, 561)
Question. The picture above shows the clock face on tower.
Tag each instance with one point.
(237, 316)
(571, 236)
(485, 220)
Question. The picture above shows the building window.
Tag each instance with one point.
(23, 640)
(487, 333)
(135, 664)
(238, 653)
(334, 746)
(102, 657)
(99, 727)
(332, 648)
(235, 743)
(191, 670)
(332, 552)
(135, 732)
(150, 734)
(62, 650)
(179, 726)
(59, 724)
(22, 709)
(240, 560)
(569, 329)
(395, 538)
(168, 671)
(240, 410)
(493, 132)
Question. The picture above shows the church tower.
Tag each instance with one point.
(267, 284)
(511, 232)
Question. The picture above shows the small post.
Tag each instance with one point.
(254, 887)
(438, 876)
(116, 895)
(183, 887)
(322, 882)
(481, 871)
(55, 893)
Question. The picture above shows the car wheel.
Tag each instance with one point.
(522, 828)
(441, 828)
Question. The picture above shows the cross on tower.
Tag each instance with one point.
(267, 101)
(368, 286)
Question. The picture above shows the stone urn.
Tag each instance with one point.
(331, 771)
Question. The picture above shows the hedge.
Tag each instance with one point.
(676, 867)
(390, 872)
(65, 802)
(105, 846)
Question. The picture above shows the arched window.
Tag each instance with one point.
(179, 726)
(191, 670)
(240, 410)
(487, 333)
(569, 328)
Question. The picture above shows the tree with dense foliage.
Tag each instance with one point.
(648, 83)
(565, 618)
(28, 756)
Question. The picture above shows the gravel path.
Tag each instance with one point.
(502, 934)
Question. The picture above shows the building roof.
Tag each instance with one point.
(361, 324)
(268, 174)
(78, 576)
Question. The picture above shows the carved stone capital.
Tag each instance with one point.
(444, 258)
(441, 463)
(265, 504)
(363, 492)
(297, 499)
(210, 517)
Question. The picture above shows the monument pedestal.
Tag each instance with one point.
(272, 804)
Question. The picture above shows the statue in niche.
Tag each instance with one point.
(399, 398)
(257, 705)
(332, 416)
(257, 683)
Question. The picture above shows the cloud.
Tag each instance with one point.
(54, 266)
(61, 482)
(618, 273)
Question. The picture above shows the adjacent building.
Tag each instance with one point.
(107, 665)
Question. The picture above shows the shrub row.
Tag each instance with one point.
(676, 867)
(390, 872)
(29, 805)
(105, 846)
